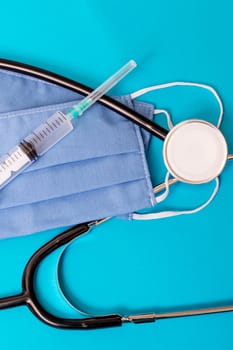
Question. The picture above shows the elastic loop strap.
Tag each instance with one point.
(182, 83)
(168, 116)
(163, 196)
(166, 214)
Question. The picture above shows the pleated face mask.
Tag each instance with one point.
(98, 170)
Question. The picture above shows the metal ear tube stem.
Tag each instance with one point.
(151, 317)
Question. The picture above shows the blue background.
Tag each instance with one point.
(171, 264)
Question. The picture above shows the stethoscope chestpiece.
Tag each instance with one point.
(195, 151)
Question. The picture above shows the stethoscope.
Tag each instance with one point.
(187, 131)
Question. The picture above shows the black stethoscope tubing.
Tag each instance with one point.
(107, 101)
(28, 296)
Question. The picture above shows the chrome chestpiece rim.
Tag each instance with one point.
(195, 151)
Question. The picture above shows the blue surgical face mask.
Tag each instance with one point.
(98, 170)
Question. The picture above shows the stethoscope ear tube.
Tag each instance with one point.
(32, 301)
(118, 320)
(28, 296)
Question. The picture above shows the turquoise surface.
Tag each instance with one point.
(172, 264)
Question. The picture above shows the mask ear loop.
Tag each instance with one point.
(143, 91)
(167, 115)
(160, 198)
(167, 214)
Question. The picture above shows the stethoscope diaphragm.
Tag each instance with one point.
(195, 151)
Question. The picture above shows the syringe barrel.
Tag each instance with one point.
(16, 161)
(52, 131)
(33, 146)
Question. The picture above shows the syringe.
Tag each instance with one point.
(52, 131)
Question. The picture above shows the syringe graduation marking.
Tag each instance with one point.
(41, 139)
(52, 131)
